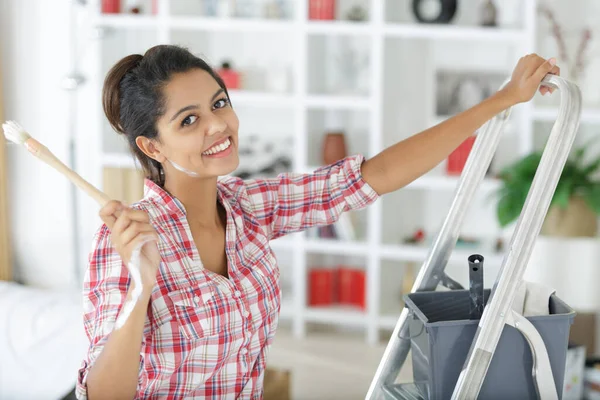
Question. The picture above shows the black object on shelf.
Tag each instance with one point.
(476, 297)
(434, 11)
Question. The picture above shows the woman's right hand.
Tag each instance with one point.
(129, 229)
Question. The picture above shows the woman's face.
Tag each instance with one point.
(199, 130)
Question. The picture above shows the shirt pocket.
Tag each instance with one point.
(197, 312)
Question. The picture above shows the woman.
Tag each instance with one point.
(210, 297)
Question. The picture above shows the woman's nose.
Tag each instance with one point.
(215, 125)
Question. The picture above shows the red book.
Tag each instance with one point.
(346, 285)
(321, 287)
(359, 297)
(321, 9)
(351, 287)
(111, 6)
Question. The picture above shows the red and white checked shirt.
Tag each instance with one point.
(207, 336)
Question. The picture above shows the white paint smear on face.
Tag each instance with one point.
(185, 171)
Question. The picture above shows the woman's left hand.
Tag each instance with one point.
(528, 75)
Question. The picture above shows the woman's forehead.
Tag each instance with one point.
(191, 87)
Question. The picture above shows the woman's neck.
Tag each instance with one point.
(199, 198)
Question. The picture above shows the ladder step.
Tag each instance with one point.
(405, 391)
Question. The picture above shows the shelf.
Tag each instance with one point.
(119, 160)
(229, 24)
(424, 31)
(338, 102)
(248, 97)
(453, 32)
(549, 114)
(193, 23)
(284, 243)
(336, 315)
(338, 27)
(125, 21)
(388, 321)
(330, 246)
(419, 254)
(451, 183)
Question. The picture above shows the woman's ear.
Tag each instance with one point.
(149, 147)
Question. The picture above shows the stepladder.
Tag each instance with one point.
(499, 319)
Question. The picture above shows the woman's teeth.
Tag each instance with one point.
(218, 148)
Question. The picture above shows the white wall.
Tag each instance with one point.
(34, 38)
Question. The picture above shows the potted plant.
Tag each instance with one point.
(575, 206)
(566, 253)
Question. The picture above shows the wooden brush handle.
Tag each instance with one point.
(41, 152)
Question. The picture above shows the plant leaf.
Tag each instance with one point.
(592, 197)
(591, 167)
(512, 199)
(579, 154)
(507, 211)
(563, 193)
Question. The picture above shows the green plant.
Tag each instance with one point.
(577, 179)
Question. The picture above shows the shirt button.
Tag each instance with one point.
(246, 313)
(244, 351)
(237, 293)
(196, 299)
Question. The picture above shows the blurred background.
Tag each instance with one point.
(312, 81)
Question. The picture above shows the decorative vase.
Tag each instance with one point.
(334, 147)
(489, 14)
(230, 77)
(577, 220)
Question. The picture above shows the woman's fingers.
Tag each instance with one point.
(122, 223)
(133, 230)
(109, 212)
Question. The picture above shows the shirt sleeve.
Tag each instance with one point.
(293, 202)
(104, 292)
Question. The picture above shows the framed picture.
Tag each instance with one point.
(458, 90)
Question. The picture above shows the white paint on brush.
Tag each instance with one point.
(15, 132)
(134, 270)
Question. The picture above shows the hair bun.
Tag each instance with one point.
(111, 92)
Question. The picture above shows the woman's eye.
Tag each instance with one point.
(190, 119)
(221, 103)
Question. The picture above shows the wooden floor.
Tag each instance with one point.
(328, 365)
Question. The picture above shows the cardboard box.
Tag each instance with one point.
(583, 332)
(277, 384)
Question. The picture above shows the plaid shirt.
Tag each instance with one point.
(206, 335)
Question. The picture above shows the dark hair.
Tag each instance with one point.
(133, 99)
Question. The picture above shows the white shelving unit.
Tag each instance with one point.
(400, 98)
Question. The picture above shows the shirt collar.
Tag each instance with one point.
(161, 196)
(174, 205)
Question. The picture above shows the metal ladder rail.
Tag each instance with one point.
(433, 268)
(527, 230)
